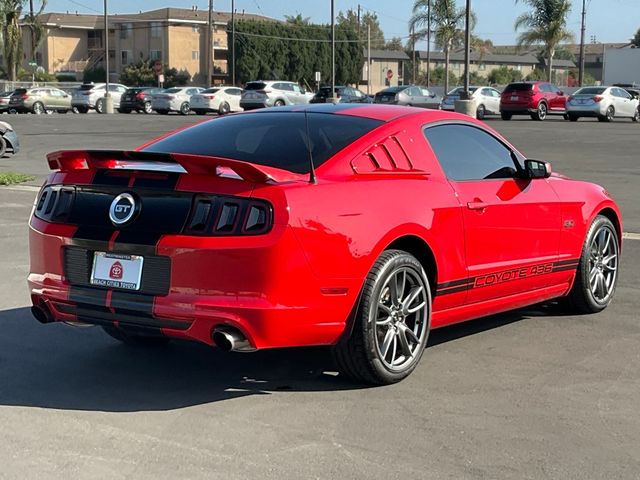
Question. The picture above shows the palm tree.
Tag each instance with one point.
(546, 23)
(10, 13)
(449, 26)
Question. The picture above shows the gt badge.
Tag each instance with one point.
(122, 209)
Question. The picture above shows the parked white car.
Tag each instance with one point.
(217, 99)
(605, 103)
(486, 100)
(90, 96)
(177, 99)
(270, 93)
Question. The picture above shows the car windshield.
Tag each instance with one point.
(88, 86)
(272, 139)
(255, 86)
(590, 91)
(325, 91)
(459, 90)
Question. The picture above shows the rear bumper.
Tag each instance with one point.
(263, 286)
(586, 110)
(518, 109)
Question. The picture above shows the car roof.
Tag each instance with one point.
(385, 113)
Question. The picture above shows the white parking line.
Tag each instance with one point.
(631, 236)
(21, 188)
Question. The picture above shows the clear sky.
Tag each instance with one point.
(608, 20)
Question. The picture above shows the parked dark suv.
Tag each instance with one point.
(138, 99)
(537, 99)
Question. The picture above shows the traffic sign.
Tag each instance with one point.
(389, 74)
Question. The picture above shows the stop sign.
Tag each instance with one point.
(157, 67)
(389, 74)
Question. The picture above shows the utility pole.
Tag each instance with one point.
(429, 43)
(233, 42)
(368, 59)
(108, 101)
(582, 29)
(467, 50)
(413, 41)
(358, 20)
(333, 52)
(209, 45)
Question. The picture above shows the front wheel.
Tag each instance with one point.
(480, 112)
(391, 324)
(224, 108)
(184, 108)
(597, 273)
(541, 112)
(636, 116)
(100, 105)
(38, 108)
(279, 103)
(573, 118)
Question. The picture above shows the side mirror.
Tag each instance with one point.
(537, 169)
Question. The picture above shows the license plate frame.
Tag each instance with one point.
(515, 98)
(119, 271)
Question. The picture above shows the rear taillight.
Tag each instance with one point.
(25, 97)
(213, 215)
(570, 99)
(210, 97)
(597, 98)
(264, 91)
(170, 97)
(86, 94)
(54, 203)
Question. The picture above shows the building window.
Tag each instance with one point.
(126, 29)
(195, 54)
(126, 57)
(156, 29)
(195, 29)
(155, 55)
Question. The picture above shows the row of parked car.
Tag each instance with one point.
(536, 99)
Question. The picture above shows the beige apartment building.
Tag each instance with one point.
(174, 36)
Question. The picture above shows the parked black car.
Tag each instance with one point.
(345, 94)
(138, 99)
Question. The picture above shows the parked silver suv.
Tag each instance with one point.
(90, 96)
(272, 93)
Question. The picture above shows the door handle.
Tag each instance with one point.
(478, 205)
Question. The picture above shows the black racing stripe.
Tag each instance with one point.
(454, 283)
(132, 303)
(574, 261)
(461, 288)
(95, 297)
(563, 268)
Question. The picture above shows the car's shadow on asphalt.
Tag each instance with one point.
(60, 367)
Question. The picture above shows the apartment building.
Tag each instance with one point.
(173, 36)
(481, 64)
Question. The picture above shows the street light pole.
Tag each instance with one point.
(429, 43)
(582, 30)
(209, 47)
(467, 50)
(333, 52)
(233, 42)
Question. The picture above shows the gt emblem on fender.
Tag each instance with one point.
(116, 271)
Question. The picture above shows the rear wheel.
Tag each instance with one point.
(163, 112)
(100, 105)
(505, 116)
(224, 108)
(184, 108)
(391, 323)
(573, 118)
(124, 110)
(541, 112)
(146, 107)
(609, 114)
(38, 108)
(3, 146)
(480, 112)
(597, 273)
(135, 339)
(199, 112)
(279, 103)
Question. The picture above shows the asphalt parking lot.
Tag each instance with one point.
(525, 395)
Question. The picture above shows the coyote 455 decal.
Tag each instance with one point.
(514, 274)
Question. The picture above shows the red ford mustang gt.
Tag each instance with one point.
(361, 227)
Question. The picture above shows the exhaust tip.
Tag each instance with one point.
(230, 339)
(41, 314)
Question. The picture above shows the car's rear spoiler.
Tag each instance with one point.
(70, 160)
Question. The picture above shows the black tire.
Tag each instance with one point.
(505, 116)
(184, 108)
(79, 109)
(278, 103)
(224, 108)
(480, 112)
(124, 110)
(602, 265)
(541, 112)
(360, 356)
(163, 112)
(146, 107)
(636, 116)
(199, 112)
(137, 340)
(63, 111)
(38, 108)
(3, 146)
(609, 115)
(573, 118)
(100, 105)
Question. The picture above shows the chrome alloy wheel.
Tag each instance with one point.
(401, 318)
(603, 264)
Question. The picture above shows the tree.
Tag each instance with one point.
(546, 23)
(636, 39)
(10, 13)
(449, 26)
(350, 20)
(138, 74)
(297, 20)
(394, 44)
(32, 20)
(504, 75)
(437, 77)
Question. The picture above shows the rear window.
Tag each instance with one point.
(19, 91)
(325, 91)
(272, 139)
(590, 91)
(173, 90)
(255, 86)
(392, 90)
(88, 86)
(210, 90)
(518, 87)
